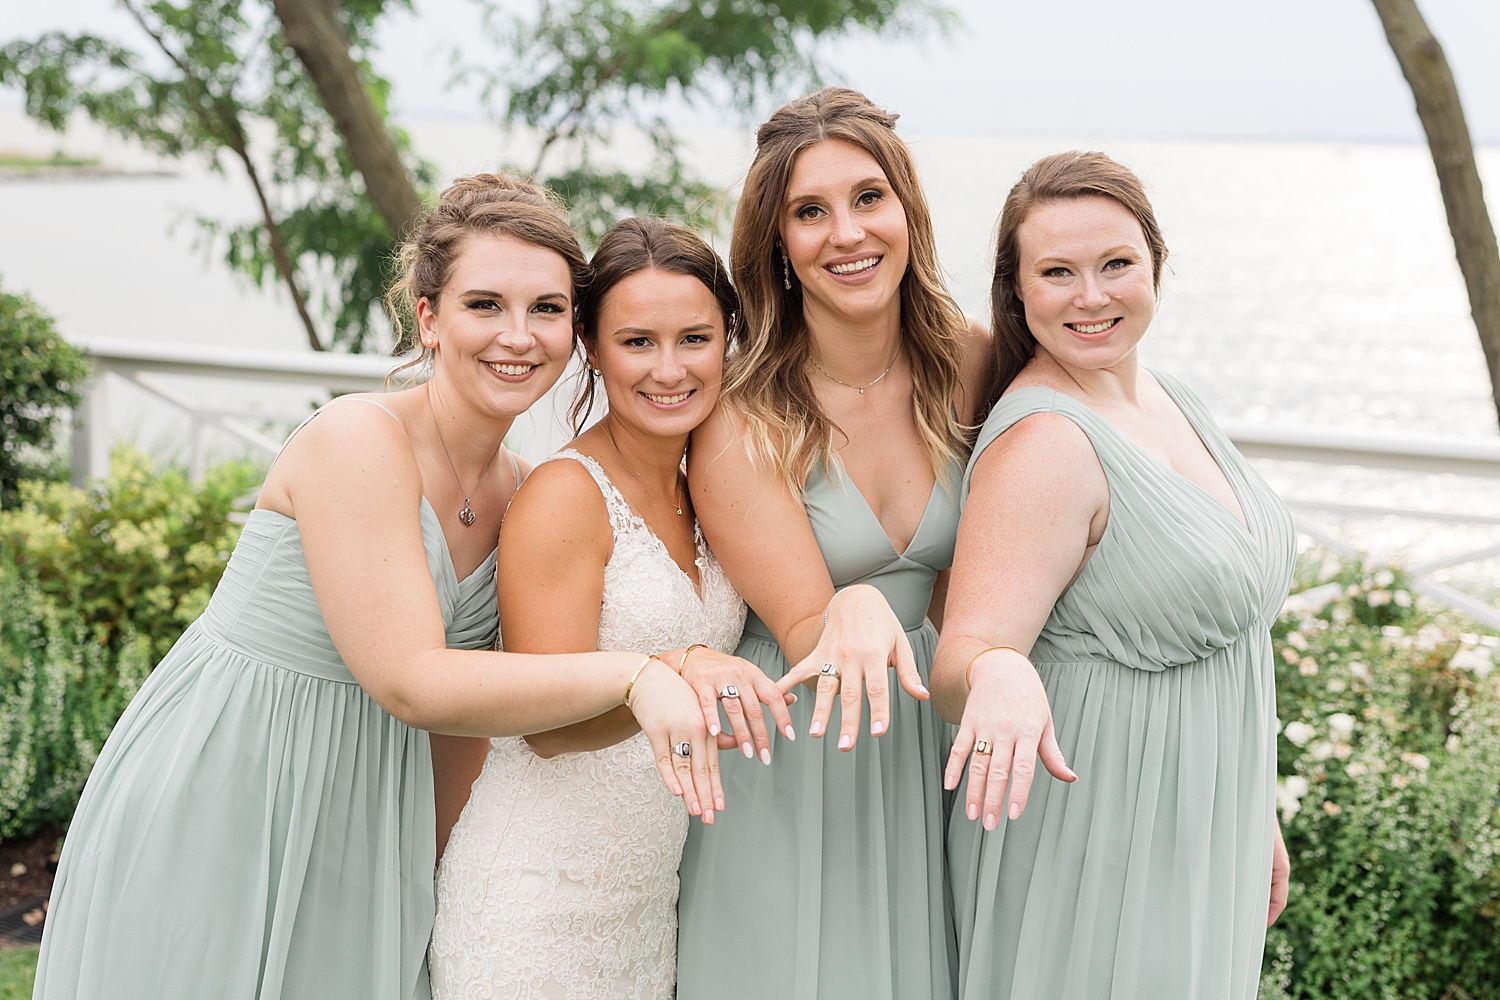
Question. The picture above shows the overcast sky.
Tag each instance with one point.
(1259, 69)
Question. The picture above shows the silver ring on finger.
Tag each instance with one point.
(729, 691)
(983, 747)
(829, 670)
(683, 749)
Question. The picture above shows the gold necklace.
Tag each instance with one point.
(467, 515)
(611, 432)
(867, 385)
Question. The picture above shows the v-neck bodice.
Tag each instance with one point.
(265, 606)
(1166, 538)
(857, 549)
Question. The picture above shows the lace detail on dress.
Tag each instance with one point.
(560, 878)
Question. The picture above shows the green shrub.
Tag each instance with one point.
(1389, 794)
(60, 694)
(138, 554)
(40, 375)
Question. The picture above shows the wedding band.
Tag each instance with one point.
(829, 670)
(683, 749)
(729, 691)
(983, 746)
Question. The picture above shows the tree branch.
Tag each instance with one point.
(1432, 85)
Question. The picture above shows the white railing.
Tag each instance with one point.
(336, 373)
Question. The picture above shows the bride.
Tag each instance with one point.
(560, 876)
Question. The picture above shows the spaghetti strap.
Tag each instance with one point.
(515, 466)
(337, 399)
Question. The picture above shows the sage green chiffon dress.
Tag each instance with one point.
(256, 825)
(824, 876)
(1150, 876)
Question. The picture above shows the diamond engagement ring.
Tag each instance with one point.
(683, 749)
(729, 691)
(983, 746)
(829, 670)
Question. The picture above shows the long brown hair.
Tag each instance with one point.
(1052, 178)
(643, 244)
(483, 204)
(766, 381)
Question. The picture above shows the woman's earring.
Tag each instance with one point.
(595, 371)
(786, 270)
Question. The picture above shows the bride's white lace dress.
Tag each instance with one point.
(560, 878)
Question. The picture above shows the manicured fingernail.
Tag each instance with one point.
(708, 815)
(713, 730)
(747, 750)
(923, 689)
(1015, 810)
(973, 811)
(765, 757)
(845, 743)
(695, 810)
(877, 727)
(990, 822)
(677, 790)
(794, 697)
(816, 728)
(790, 733)
(719, 804)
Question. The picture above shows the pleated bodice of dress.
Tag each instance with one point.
(834, 861)
(264, 605)
(1150, 876)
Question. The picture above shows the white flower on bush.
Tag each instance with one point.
(1354, 769)
(1300, 733)
(1475, 658)
(1417, 760)
(1310, 602)
(1341, 726)
(1308, 667)
(1360, 671)
(1403, 598)
(1378, 597)
(1297, 639)
(1289, 796)
(1321, 750)
(1385, 578)
(1337, 686)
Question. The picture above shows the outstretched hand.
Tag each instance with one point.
(667, 709)
(741, 687)
(1007, 711)
(862, 640)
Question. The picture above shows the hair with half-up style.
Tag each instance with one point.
(787, 430)
(647, 244)
(479, 205)
(1057, 177)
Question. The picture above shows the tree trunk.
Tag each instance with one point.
(313, 30)
(1426, 70)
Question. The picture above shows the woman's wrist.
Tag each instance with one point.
(969, 670)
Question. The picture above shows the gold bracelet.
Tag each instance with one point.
(689, 652)
(969, 671)
(631, 686)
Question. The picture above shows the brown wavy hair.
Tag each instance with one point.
(643, 244)
(1052, 178)
(482, 204)
(766, 381)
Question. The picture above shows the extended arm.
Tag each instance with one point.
(1037, 506)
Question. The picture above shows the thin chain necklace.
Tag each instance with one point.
(467, 515)
(611, 432)
(867, 385)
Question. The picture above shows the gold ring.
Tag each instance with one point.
(983, 746)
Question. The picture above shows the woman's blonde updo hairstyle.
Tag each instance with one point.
(481, 205)
(767, 380)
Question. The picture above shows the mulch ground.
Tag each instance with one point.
(26, 868)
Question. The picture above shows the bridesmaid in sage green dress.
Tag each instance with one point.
(826, 483)
(260, 824)
(1119, 567)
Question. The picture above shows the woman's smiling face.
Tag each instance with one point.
(844, 231)
(660, 352)
(504, 327)
(1085, 280)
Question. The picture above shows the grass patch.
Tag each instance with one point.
(17, 972)
(20, 161)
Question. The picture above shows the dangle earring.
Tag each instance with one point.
(786, 270)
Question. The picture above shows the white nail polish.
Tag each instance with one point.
(765, 757)
(713, 730)
(845, 743)
(877, 727)
(791, 733)
(747, 750)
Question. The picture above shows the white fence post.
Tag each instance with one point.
(91, 438)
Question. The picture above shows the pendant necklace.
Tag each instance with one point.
(466, 515)
(868, 384)
(610, 431)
